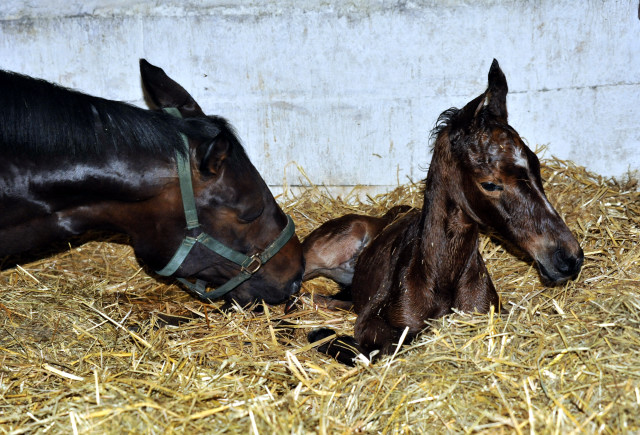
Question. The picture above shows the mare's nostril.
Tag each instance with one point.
(579, 262)
(295, 286)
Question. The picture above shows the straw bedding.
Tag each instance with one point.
(80, 351)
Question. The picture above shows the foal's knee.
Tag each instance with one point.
(374, 333)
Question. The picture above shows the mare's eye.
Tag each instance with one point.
(490, 187)
(250, 215)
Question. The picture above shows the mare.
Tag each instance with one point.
(427, 263)
(72, 162)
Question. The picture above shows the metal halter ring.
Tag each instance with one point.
(255, 258)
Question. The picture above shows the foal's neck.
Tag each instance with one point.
(449, 235)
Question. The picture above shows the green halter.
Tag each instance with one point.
(248, 264)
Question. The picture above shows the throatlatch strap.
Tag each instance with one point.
(184, 176)
(286, 234)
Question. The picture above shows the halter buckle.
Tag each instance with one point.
(254, 265)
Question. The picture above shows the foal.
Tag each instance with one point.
(426, 263)
(331, 251)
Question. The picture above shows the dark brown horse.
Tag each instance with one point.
(176, 181)
(331, 251)
(426, 263)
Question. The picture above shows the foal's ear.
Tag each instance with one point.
(164, 92)
(212, 154)
(471, 109)
(494, 99)
(496, 95)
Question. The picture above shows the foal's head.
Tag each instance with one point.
(501, 183)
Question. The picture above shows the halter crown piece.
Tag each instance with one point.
(248, 264)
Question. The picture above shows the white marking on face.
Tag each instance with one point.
(520, 159)
(544, 199)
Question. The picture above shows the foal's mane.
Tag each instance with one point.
(445, 120)
(453, 119)
(43, 119)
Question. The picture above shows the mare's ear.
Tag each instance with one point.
(212, 154)
(496, 95)
(164, 92)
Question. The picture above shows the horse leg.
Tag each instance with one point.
(343, 300)
(343, 348)
(374, 333)
(476, 291)
(332, 249)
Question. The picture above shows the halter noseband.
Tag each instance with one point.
(248, 264)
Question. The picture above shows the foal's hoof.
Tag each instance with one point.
(320, 334)
(343, 348)
(331, 303)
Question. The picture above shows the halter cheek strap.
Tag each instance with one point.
(248, 264)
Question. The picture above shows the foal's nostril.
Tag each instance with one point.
(567, 264)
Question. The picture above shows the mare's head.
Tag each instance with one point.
(233, 203)
(500, 181)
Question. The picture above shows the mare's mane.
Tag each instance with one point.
(39, 118)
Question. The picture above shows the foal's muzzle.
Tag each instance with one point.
(568, 264)
(562, 267)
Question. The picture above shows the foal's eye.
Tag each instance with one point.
(490, 187)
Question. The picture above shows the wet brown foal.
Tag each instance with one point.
(426, 263)
(331, 251)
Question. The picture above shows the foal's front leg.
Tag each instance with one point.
(475, 290)
(372, 333)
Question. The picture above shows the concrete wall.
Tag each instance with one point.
(349, 90)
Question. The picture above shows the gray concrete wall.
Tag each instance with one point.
(349, 90)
